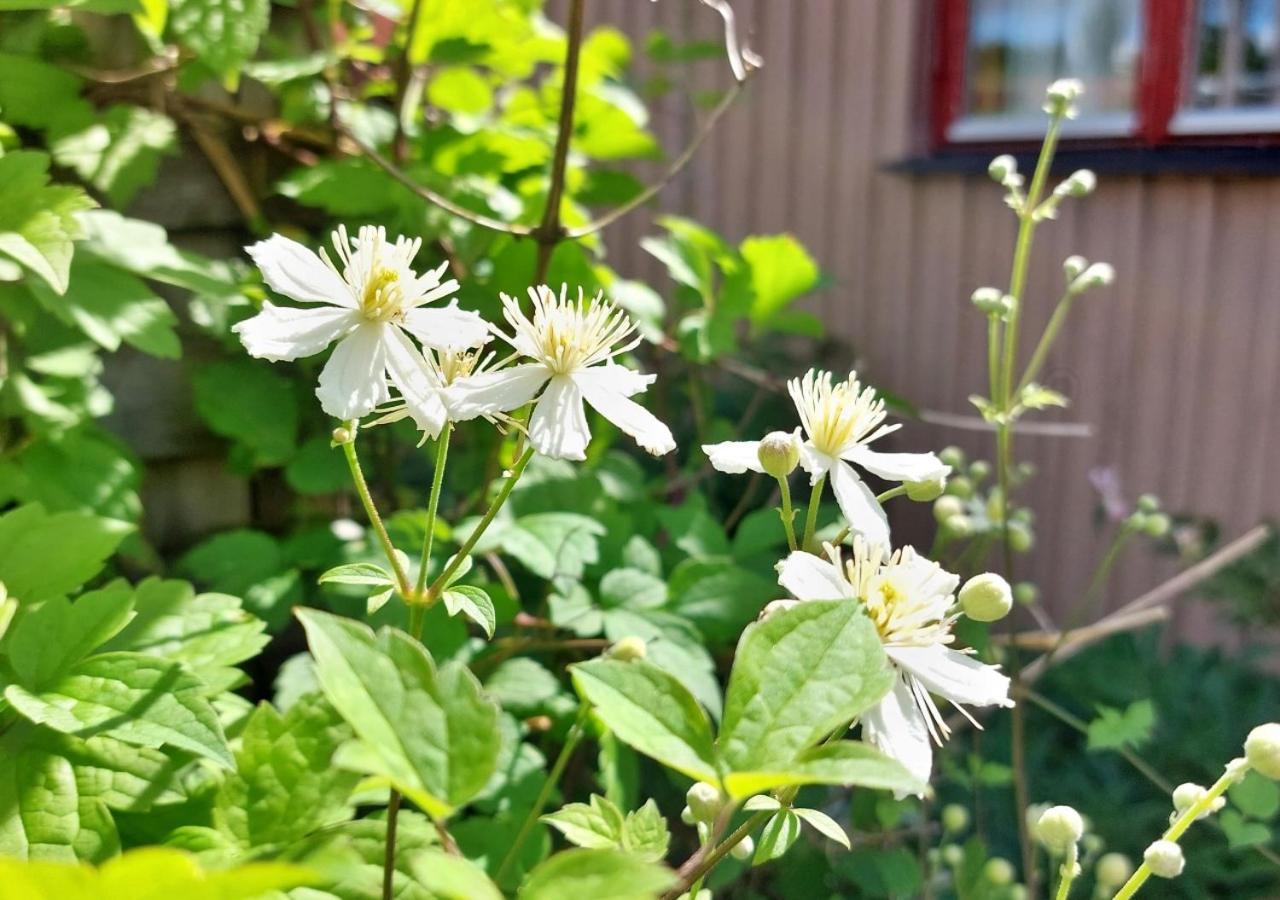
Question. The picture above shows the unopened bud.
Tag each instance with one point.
(628, 649)
(1188, 794)
(1073, 266)
(1061, 96)
(1059, 828)
(1164, 858)
(952, 855)
(959, 526)
(1097, 275)
(1157, 525)
(342, 435)
(1262, 750)
(779, 453)
(744, 848)
(998, 871)
(704, 801)
(947, 506)
(955, 818)
(1002, 167)
(1148, 503)
(1112, 870)
(1080, 183)
(960, 486)
(992, 301)
(776, 606)
(686, 816)
(979, 470)
(1025, 593)
(927, 491)
(951, 456)
(1021, 537)
(986, 597)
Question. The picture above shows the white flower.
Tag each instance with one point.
(572, 345)
(369, 306)
(912, 604)
(840, 420)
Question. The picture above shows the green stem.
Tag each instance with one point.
(898, 491)
(417, 616)
(1046, 341)
(433, 505)
(362, 488)
(788, 514)
(811, 514)
(553, 778)
(1181, 824)
(469, 544)
(1083, 609)
(707, 861)
(1067, 874)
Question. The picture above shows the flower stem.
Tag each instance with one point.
(553, 778)
(702, 862)
(362, 488)
(811, 514)
(1182, 823)
(788, 514)
(417, 616)
(1067, 874)
(891, 493)
(433, 505)
(1046, 341)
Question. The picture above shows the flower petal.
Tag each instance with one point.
(494, 392)
(628, 415)
(859, 505)
(620, 379)
(815, 462)
(734, 457)
(296, 271)
(558, 426)
(954, 675)
(447, 328)
(354, 380)
(286, 332)
(417, 384)
(899, 466)
(809, 577)
(897, 727)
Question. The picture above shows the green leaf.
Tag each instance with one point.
(1242, 833)
(645, 833)
(632, 589)
(780, 832)
(246, 401)
(824, 825)
(1256, 796)
(781, 271)
(137, 699)
(38, 220)
(431, 732)
(597, 824)
(318, 468)
(719, 596)
(797, 676)
(120, 151)
(675, 645)
(39, 807)
(248, 564)
(85, 470)
(362, 573)
(474, 603)
(110, 305)
(223, 34)
(37, 94)
(1114, 729)
(555, 543)
(43, 556)
(285, 785)
(523, 686)
(460, 89)
(1037, 396)
(652, 712)
(844, 763)
(598, 874)
(450, 877)
(123, 776)
(49, 638)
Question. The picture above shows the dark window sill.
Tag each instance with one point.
(1217, 160)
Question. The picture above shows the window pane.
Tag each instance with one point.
(1017, 47)
(1235, 55)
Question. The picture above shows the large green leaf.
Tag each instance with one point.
(781, 271)
(37, 94)
(246, 401)
(120, 151)
(49, 638)
(452, 877)
(223, 34)
(43, 556)
(843, 763)
(285, 785)
(134, 698)
(651, 711)
(84, 469)
(598, 874)
(39, 806)
(797, 676)
(38, 220)
(432, 733)
(596, 824)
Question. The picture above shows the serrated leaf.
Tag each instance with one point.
(223, 34)
(598, 874)
(134, 698)
(797, 676)
(474, 603)
(1037, 396)
(52, 636)
(780, 832)
(651, 711)
(38, 220)
(1114, 729)
(43, 555)
(645, 833)
(781, 272)
(596, 824)
(119, 151)
(39, 806)
(824, 825)
(450, 877)
(632, 589)
(1256, 796)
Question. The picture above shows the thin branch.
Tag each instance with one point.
(976, 423)
(228, 170)
(1044, 641)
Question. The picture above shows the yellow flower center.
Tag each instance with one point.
(565, 335)
(908, 598)
(836, 416)
(383, 296)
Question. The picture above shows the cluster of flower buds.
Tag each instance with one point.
(1148, 519)
(994, 303)
(965, 511)
(1083, 275)
(1061, 97)
(1187, 795)
(1004, 172)
(1059, 829)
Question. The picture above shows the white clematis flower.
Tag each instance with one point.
(571, 345)
(369, 303)
(911, 601)
(840, 419)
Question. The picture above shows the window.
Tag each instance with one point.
(1155, 70)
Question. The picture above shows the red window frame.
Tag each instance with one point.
(1167, 31)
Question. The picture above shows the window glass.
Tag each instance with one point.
(1235, 55)
(1017, 47)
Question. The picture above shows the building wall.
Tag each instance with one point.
(1175, 368)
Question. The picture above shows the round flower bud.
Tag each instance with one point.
(952, 854)
(959, 526)
(986, 597)
(947, 506)
(686, 816)
(744, 848)
(1073, 266)
(998, 871)
(1188, 794)
(1262, 750)
(979, 470)
(1148, 503)
(628, 649)
(1002, 167)
(960, 486)
(952, 456)
(779, 453)
(927, 491)
(1016, 892)
(1061, 96)
(1025, 593)
(1080, 183)
(777, 606)
(1021, 538)
(1157, 525)
(955, 818)
(1112, 870)
(705, 801)
(342, 435)
(1059, 829)
(1164, 859)
(1097, 275)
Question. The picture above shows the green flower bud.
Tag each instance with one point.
(1061, 96)
(998, 871)
(779, 453)
(952, 855)
(959, 526)
(1164, 859)
(1073, 266)
(1015, 892)
(744, 848)
(960, 487)
(986, 597)
(705, 801)
(926, 491)
(1262, 750)
(686, 816)
(1079, 183)
(1112, 870)
(979, 470)
(1149, 503)
(1002, 167)
(628, 649)
(952, 456)
(993, 301)
(1059, 829)
(955, 818)
(1188, 794)
(947, 506)
(1020, 537)
(1025, 593)
(1157, 525)
(342, 435)
(1097, 275)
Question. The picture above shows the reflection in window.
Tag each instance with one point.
(1236, 61)
(1017, 47)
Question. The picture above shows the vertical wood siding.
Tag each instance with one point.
(1176, 368)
